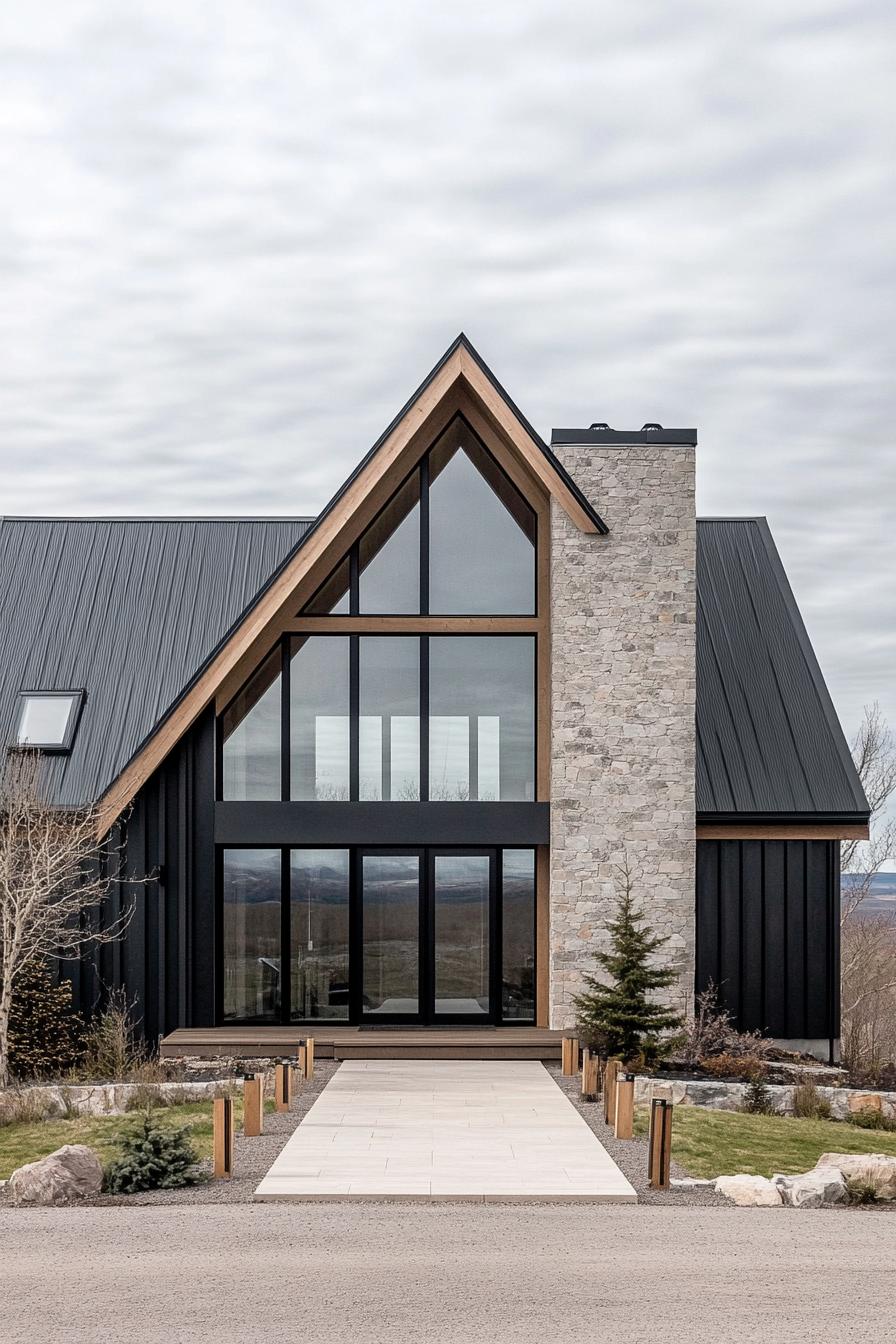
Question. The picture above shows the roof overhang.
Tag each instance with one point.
(460, 383)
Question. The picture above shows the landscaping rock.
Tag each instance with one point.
(689, 1183)
(749, 1191)
(813, 1189)
(71, 1173)
(875, 1170)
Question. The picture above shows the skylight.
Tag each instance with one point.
(48, 719)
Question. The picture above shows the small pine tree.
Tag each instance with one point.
(757, 1098)
(153, 1157)
(621, 1018)
(46, 1035)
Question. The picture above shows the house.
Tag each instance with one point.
(383, 763)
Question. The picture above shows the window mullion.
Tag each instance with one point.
(354, 723)
(424, 718)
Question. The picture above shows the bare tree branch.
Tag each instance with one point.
(874, 753)
(55, 876)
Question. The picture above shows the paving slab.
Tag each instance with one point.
(444, 1129)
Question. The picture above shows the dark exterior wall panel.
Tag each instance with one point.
(164, 963)
(768, 933)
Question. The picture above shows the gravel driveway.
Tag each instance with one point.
(452, 1273)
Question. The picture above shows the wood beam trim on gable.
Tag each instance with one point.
(313, 555)
(797, 831)
(459, 378)
(505, 420)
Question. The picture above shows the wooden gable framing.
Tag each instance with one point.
(459, 384)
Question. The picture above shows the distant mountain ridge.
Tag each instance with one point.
(881, 900)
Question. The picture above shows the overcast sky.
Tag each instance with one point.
(235, 236)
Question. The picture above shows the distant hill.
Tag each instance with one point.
(881, 900)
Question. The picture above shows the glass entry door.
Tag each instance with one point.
(461, 889)
(428, 946)
(391, 928)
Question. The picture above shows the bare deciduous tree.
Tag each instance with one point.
(874, 752)
(52, 881)
(869, 996)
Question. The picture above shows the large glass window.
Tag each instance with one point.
(251, 934)
(319, 907)
(482, 718)
(389, 556)
(250, 730)
(391, 934)
(518, 935)
(319, 718)
(475, 540)
(461, 899)
(389, 722)
(481, 533)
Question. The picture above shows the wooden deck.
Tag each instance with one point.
(334, 1042)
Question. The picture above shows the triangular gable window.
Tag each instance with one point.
(457, 538)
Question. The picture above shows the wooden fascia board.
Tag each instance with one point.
(458, 370)
(795, 831)
(517, 433)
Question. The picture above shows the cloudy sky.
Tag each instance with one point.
(234, 236)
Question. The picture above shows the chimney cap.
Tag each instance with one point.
(600, 432)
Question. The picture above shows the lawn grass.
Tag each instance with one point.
(27, 1141)
(722, 1143)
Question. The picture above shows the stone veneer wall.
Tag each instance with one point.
(623, 674)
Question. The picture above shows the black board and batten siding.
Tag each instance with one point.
(165, 963)
(768, 933)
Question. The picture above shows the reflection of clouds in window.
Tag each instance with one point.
(251, 730)
(389, 724)
(319, 718)
(331, 757)
(482, 533)
(449, 758)
(488, 757)
(482, 724)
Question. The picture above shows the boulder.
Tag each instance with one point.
(749, 1191)
(71, 1173)
(813, 1189)
(872, 1169)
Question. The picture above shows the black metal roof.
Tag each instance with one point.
(769, 744)
(127, 609)
(131, 609)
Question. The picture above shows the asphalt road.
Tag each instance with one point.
(458, 1274)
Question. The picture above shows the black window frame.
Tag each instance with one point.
(355, 1018)
(353, 553)
(354, 638)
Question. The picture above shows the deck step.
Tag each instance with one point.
(536, 1043)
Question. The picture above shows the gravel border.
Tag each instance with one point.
(630, 1155)
(252, 1157)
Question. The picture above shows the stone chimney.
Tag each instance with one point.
(623, 676)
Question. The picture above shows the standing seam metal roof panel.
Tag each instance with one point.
(127, 609)
(768, 738)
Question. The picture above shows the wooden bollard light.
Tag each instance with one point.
(309, 1057)
(590, 1076)
(253, 1104)
(659, 1144)
(222, 1129)
(611, 1068)
(570, 1055)
(282, 1085)
(624, 1120)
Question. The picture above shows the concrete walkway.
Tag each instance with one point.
(440, 1129)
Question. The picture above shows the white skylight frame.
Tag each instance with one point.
(60, 743)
